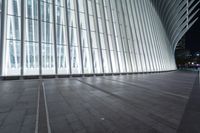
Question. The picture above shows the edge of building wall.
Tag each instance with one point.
(4, 78)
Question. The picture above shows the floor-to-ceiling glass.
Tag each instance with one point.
(97, 56)
(110, 36)
(103, 39)
(47, 37)
(12, 46)
(85, 45)
(0, 18)
(118, 41)
(67, 37)
(61, 37)
(73, 38)
(31, 43)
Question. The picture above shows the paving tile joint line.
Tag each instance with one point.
(38, 106)
(46, 108)
(41, 86)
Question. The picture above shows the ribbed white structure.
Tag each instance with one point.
(67, 37)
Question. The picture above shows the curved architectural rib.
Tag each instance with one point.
(177, 17)
(68, 37)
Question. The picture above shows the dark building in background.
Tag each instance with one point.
(192, 37)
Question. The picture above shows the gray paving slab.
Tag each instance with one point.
(191, 118)
(18, 106)
(143, 103)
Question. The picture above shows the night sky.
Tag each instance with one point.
(193, 36)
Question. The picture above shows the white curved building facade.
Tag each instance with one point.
(69, 37)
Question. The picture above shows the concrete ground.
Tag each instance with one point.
(144, 103)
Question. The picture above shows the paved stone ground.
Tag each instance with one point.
(18, 105)
(144, 103)
(191, 118)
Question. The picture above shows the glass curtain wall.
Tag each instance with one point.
(117, 35)
(103, 38)
(12, 56)
(130, 47)
(31, 43)
(61, 37)
(47, 37)
(75, 54)
(0, 19)
(1, 45)
(124, 39)
(66, 37)
(84, 33)
(94, 36)
(84, 39)
(110, 36)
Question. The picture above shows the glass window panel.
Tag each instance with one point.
(47, 32)
(0, 25)
(114, 61)
(128, 33)
(128, 64)
(94, 40)
(103, 46)
(31, 8)
(113, 16)
(133, 62)
(48, 59)
(139, 63)
(125, 44)
(61, 33)
(98, 10)
(100, 26)
(14, 28)
(105, 61)
(31, 33)
(71, 18)
(110, 42)
(12, 62)
(73, 36)
(75, 60)
(60, 2)
(0, 5)
(119, 47)
(81, 5)
(46, 12)
(90, 9)
(14, 7)
(87, 62)
(31, 58)
(121, 61)
(108, 27)
(82, 21)
(115, 29)
(97, 61)
(84, 41)
(130, 44)
(105, 2)
(97, 1)
(47, 1)
(92, 28)
(106, 12)
(60, 15)
(62, 59)
(70, 4)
